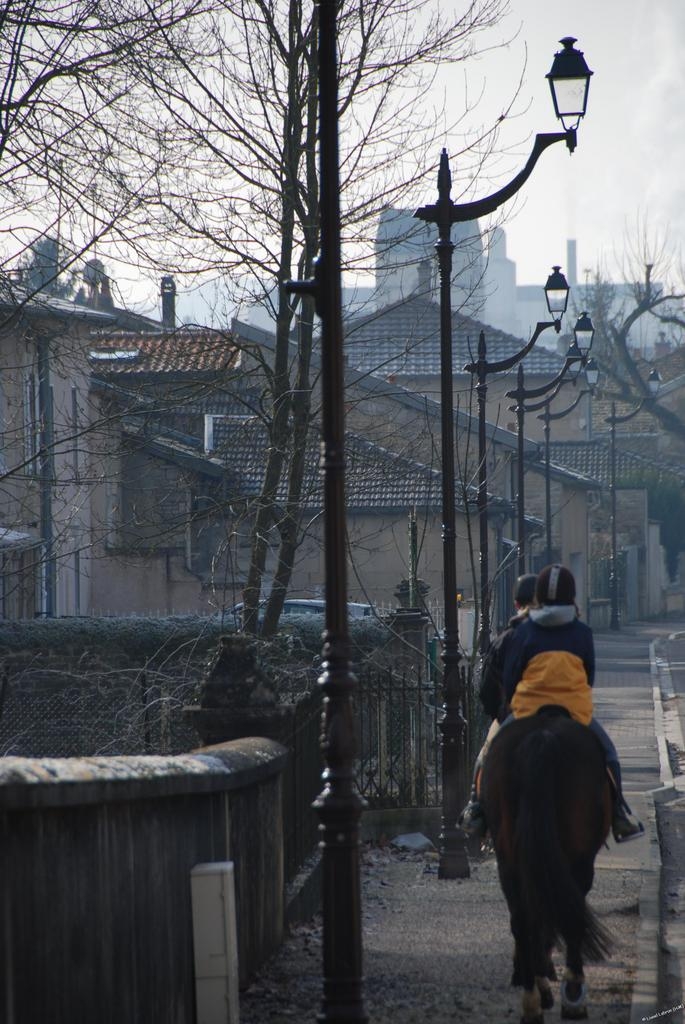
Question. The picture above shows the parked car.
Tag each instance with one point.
(302, 606)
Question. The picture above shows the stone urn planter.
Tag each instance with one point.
(237, 698)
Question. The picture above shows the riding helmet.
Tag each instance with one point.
(555, 585)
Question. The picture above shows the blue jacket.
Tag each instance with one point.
(550, 659)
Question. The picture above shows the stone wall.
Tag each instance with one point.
(95, 877)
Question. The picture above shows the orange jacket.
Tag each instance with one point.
(550, 662)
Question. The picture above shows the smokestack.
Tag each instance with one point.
(571, 262)
(168, 303)
(424, 286)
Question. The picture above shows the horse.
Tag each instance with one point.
(547, 801)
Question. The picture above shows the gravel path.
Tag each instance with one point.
(441, 950)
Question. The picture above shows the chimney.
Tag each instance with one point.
(571, 262)
(168, 303)
(424, 287)
(106, 301)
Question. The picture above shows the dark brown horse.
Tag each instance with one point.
(547, 802)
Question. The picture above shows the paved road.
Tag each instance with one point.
(669, 657)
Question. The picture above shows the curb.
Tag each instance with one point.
(645, 996)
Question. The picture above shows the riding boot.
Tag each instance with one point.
(472, 818)
(622, 826)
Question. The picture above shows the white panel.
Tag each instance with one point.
(215, 943)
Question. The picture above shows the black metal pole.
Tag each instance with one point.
(481, 368)
(339, 805)
(547, 416)
(613, 573)
(614, 622)
(520, 497)
(453, 860)
(548, 491)
(481, 394)
(521, 395)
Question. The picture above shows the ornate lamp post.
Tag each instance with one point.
(576, 354)
(592, 376)
(556, 293)
(570, 101)
(653, 384)
(339, 804)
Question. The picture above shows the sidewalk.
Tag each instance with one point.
(628, 703)
(441, 950)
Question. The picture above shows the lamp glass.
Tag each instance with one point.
(584, 332)
(569, 82)
(570, 96)
(591, 372)
(654, 382)
(556, 292)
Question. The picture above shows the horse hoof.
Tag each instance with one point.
(573, 1008)
(539, 1019)
(546, 998)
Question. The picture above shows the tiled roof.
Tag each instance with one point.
(642, 423)
(672, 365)
(184, 351)
(15, 299)
(404, 340)
(378, 387)
(592, 458)
(375, 478)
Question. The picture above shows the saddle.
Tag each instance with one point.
(551, 710)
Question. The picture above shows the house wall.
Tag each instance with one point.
(575, 542)
(46, 499)
(573, 427)
(144, 568)
(379, 547)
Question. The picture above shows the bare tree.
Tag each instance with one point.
(236, 115)
(66, 105)
(653, 290)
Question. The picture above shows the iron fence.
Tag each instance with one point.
(122, 713)
(302, 783)
(399, 718)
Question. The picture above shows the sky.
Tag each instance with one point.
(628, 168)
(628, 171)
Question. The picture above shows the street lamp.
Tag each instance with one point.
(569, 82)
(568, 66)
(578, 353)
(339, 805)
(556, 293)
(591, 376)
(653, 385)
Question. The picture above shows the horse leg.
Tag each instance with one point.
(531, 1007)
(573, 987)
(543, 981)
(546, 995)
(524, 972)
(573, 995)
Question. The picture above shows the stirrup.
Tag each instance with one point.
(472, 820)
(624, 829)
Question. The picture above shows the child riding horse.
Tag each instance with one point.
(550, 660)
(546, 798)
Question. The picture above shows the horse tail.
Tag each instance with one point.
(554, 901)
